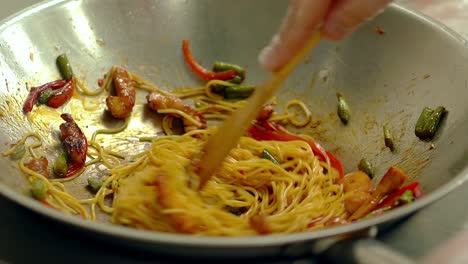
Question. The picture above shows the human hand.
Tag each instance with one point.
(338, 18)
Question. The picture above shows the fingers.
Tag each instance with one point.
(302, 19)
(345, 16)
(339, 17)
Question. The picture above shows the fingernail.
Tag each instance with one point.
(265, 58)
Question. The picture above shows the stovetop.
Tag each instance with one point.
(27, 238)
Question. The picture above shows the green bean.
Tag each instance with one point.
(38, 189)
(267, 155)
(366, 167)
(422, 120)
(428, 122)
(95, 183)
(434, 120)
(388, 138)
(236, 80)
(219, 66)
(238, 91)
(19, 152)
(344, 113)
(61, 165)
(219, 89)
(45, 96)
(64, 67)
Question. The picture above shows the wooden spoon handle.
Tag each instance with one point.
(227, 136)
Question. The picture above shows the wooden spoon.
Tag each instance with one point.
(227, 136)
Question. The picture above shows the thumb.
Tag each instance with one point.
(302, 19)
(346, 15)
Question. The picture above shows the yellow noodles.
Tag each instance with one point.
(156, 189)
(159, 197)
(106, 84)
(184, 115)
(111, 131)
(56, 195)
(292, 117)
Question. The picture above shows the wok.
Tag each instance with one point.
(388, 79)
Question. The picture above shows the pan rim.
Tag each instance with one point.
(152, 237)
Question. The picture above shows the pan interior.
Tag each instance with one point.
(388, 78)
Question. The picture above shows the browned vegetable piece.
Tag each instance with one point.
(355, 200)
(73, 140)
(39, 165)
(359, 186)
(158, 101)
(391, 182)
(260, 224)
(121, 104)
(357, 181)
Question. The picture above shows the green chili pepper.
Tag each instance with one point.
(405, 198)
(45, 96)
(428, 122)
(365, 166)
(267, 155)
(422, 121)
(19, 152)
(39, 189)
(219, 66)
(61, 165)
(95, 183)
(434, 121)
(238, 92)
(219, 89)
(236, 80)
(388, 138)
(377, 212)
(344, 113)
(64, 67)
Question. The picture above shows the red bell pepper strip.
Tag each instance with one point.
(414, 187)
(336, 163)
(202, 72)
(35, 92)
(62, 96)
(74, 169)
(265, 130)
(271, 131)
(389, 184)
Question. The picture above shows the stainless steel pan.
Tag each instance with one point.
(388, 79)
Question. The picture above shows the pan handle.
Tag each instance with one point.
(367, 250)
(358, 248)
(363, 251)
